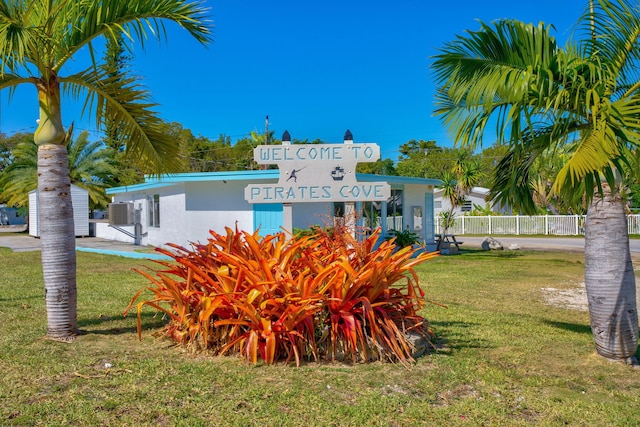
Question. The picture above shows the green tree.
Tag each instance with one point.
(583, 97)
(38, 41)
(425, 159)
(7, 145)
(20, 176)
(116, 60)
(262, 138)
(90, 167)
(379, 167)
(632, 181)
(457, 183)
(413, 147)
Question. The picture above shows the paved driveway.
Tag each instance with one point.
(24, 242)
(556, 243)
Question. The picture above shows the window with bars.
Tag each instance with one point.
(154, 210)
(394, 211)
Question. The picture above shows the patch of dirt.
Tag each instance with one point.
(463, 391)
(573, 298)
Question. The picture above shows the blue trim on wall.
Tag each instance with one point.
(126, 254)
(152, 182)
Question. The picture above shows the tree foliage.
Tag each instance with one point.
(582, 98)
(581, 101)
(39, 45)
(90, 166)
(7, 145)
(426, 159)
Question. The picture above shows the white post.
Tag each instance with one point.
(546, 224)
(350, 207)
(287, 208)
(287, 217)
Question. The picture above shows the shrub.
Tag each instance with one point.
(320, 296)
(403, 238)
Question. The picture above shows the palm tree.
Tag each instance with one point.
(91, 166)
(20, 176)
(449, 192)
(456, 186)
(583, 98)
(38, 41)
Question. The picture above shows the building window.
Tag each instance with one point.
(154, 210)
(338, 209)
(394, 211)
(371, 216)
(437, 204)
(466, 206)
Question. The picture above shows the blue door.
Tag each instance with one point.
(268, 217)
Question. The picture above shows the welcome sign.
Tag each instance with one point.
(317, 173)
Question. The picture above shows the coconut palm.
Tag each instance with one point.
(456, 186)
(583, 98)
(91, 166)
(39, 41)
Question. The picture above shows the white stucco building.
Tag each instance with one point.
(182, 208)
(478, 196)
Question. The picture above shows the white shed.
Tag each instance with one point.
(80, 201)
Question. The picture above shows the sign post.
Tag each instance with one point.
(316, 173)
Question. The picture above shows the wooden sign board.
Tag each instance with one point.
(317, 173)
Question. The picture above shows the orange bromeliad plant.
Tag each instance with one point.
(320, 296)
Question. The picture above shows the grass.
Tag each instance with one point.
(505, 357)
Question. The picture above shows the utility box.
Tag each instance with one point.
(80, 202)
(121, 213)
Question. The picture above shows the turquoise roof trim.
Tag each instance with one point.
(367, 177)
(152, 182)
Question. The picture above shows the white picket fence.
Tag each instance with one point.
(554, 225)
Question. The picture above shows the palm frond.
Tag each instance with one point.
(128, 105)
(611, 33)
(485, 75)
(135, 19)
(20, 176)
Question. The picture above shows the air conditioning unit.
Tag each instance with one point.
(121, 213)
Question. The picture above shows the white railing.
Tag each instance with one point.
(555, 225)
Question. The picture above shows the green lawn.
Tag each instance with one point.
(505, 357)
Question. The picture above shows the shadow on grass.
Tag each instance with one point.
(149, 321)
(572, 327)
(20, 298)
(477, 253)
(456, 336)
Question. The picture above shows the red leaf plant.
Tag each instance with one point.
(319, 296)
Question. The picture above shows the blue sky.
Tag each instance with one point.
(316, 68)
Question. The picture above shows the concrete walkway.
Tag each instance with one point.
(24, 243)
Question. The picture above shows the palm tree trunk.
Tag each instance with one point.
(609, 279)
(57, 232)
(58, 241)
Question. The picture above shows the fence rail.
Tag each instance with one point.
(554, 225)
